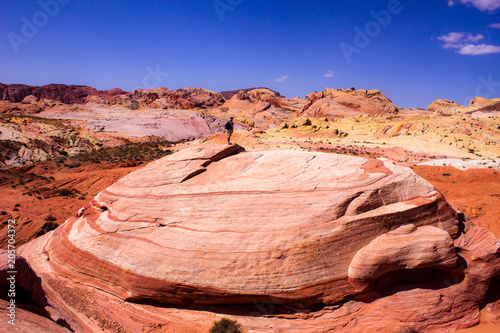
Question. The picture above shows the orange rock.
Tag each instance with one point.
(212, 225)
(371, 102)
(445, 106)
(480, 102)
(181, 206)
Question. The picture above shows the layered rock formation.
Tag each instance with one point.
(157, 98)
(213, 225)
(64, 93)
(445, 106)
(480, 102)
(363, 101)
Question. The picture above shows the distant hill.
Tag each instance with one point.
(228, 94)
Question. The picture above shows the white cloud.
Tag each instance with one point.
(490, 5)
(475, 38)
(330, 74)
(479, 49)
(457, 40)
(495, 25)
(282, 78)
(465, 43)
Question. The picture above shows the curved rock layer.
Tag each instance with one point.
(406, 248)
(215, 225)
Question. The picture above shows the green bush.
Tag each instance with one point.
(226, 325)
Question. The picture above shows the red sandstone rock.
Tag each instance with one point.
(327, 107)
(277, 230)
(188, 98)
(407, 247)
(26, 321)
(366, 101)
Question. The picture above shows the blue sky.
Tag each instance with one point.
(414, 52)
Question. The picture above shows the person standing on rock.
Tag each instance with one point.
(229, 129)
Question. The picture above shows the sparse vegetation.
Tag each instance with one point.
(48, 226)
(406, 330)
(50, 218)
(65, 192)
(225, 325)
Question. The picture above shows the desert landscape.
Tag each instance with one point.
(337, 212)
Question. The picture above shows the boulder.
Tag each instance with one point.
(289, 241)
(209, 226)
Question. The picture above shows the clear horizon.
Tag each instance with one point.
(413, 51)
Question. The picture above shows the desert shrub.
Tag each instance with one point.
(3, 212)
(65, 192)
(225, 325)
(48, 226)
(74, 165)
(407, 330)
(50, 218)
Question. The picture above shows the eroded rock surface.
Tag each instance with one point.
(316, 232)
(445, 106)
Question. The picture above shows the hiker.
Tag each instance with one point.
(229, 129)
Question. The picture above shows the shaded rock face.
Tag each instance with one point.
(407, 247)
(28, 287)
(209, 226)
(491, 107)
